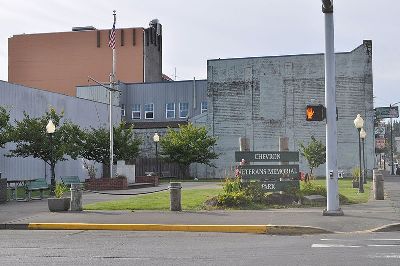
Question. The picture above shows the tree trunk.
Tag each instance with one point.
(53, 178)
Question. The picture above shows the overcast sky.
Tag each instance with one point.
(195, 31)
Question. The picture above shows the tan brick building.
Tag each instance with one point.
(60, 61)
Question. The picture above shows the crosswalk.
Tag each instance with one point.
(383, 248)
(357, 243)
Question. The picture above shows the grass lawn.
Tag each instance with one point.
(192, 199)
(347, 190)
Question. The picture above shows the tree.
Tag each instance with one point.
(96, 144)
(189, 144)
(32, 140)
(4, 126)
(314, 152)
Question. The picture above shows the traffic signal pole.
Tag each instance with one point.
(332, 206)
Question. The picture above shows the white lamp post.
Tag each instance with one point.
(156, 139)
(363, 135)
(359, 123)
(50, 129)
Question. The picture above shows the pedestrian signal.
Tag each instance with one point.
(315, 112)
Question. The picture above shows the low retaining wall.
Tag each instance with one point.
(106, 183)
(148, 179)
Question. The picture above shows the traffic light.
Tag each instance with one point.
(315, 112)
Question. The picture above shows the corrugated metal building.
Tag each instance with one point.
(17, 99)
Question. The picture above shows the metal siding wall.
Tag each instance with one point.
(162, 93)
(36, 102)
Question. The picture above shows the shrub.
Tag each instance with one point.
(60, 189)
(232, 185)
(233, 199)
(310, 188)
(356, 173)
(254, 191)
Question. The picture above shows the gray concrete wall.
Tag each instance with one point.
(35, 102)
(153, 55)
(265, 98)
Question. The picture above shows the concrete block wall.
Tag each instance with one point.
(265, 98)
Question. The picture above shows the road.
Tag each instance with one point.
(173, 248)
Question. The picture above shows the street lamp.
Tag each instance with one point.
(363, 134)
(156, 139)
(50, 129)
(359, 123)
(391, 135)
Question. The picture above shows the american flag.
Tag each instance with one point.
(111, 43)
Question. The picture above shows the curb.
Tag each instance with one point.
(387, 228)
(255, 229)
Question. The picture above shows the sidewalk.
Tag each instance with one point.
(360, 217)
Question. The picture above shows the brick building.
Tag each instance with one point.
(60, 61)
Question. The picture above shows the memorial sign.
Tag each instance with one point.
(269, 171)
(267, 156)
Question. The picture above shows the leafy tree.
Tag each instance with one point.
(4, 126)
(32, 140)
(96, 144)
(314, 152)
(189, 144)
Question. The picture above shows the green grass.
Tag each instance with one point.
(347, 190)
(192, 199)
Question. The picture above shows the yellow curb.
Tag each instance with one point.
(257, 229)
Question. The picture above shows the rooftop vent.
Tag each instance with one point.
(86, 28)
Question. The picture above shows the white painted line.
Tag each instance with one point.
(384, 245)
(387, 256)
(383, 239)
(333, 246)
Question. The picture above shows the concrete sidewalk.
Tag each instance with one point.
(360, 217)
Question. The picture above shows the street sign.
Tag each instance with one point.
(380, 130)
(267, 156)
(387, 112)
(269, 171)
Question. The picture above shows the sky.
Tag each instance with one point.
(195, 31)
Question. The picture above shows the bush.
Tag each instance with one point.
(233, 199)
(310, 188)
(60, 189)
(254, 191)
(232, 185)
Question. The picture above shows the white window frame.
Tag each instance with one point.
(147, 112)
(203, 110)
(180, 110)
(136, 111)
(169, 110)
(123, 110)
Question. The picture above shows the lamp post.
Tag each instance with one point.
(359, 123)
(363, 135)
(50, 129)
(391, 131)
(156, 139)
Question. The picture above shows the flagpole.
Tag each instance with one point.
(112, 83)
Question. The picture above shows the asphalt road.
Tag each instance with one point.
(172, 248)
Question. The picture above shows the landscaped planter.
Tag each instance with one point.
(106, 183)
(58, 204)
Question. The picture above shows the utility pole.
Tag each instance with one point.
(332, 206)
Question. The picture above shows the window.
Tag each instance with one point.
(183, 110)
(149, 111)
(136, 114)
(204, 106)
(123, 109)
(170, 110)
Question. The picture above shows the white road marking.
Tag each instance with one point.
(333, 246)
(384, 245)
(383, 239)
(386, 256)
